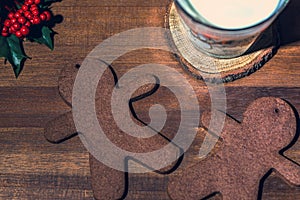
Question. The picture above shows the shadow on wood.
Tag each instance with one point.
(289, 29)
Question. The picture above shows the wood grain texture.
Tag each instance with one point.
(32, 168)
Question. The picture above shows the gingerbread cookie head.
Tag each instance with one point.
(274, 120)
(66, 83)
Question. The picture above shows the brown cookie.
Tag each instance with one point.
(107, 183)
(249, 150)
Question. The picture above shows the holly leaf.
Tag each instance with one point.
(46, 37)
(11, 48)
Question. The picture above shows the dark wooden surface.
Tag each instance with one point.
(32, 168)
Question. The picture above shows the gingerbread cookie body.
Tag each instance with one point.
(107, 183)
(249, 150)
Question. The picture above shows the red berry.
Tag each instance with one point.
(35, 12)
(30, 16)
(24, 30)
(33, 7)
(29, 2)
(11, 30)
(36, 20)
(27, 24)
(4, 34)
(43, 17)
(26, 13)
(5, 29)
(24, 8)
(17, 14)
(19, 34)
(7, 23)
(13, 20)
(11, 15)
(16, 26)
(48, 14)
(37, 1)
(22, 20)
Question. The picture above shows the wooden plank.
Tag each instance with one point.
(25, 150)
(32, 168)
(112, 3)
(29, 107)
(40, 193)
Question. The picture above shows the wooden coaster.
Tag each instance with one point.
(215, 70)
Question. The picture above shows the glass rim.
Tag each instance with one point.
(281, 5)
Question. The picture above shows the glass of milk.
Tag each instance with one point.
(226, 28)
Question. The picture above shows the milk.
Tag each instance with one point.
(233, 14)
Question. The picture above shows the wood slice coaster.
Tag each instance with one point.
(216, 70)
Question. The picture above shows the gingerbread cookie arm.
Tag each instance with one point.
(60, 129)
(221, 121)
(288, 169)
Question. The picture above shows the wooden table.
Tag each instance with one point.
(32, 168)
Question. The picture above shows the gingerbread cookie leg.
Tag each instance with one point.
(108, 183)
(236, 192)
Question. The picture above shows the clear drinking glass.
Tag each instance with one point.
(226, 28)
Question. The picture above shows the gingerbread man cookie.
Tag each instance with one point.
(107, 183)
(248, 151)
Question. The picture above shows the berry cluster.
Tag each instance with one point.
(20, 21)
